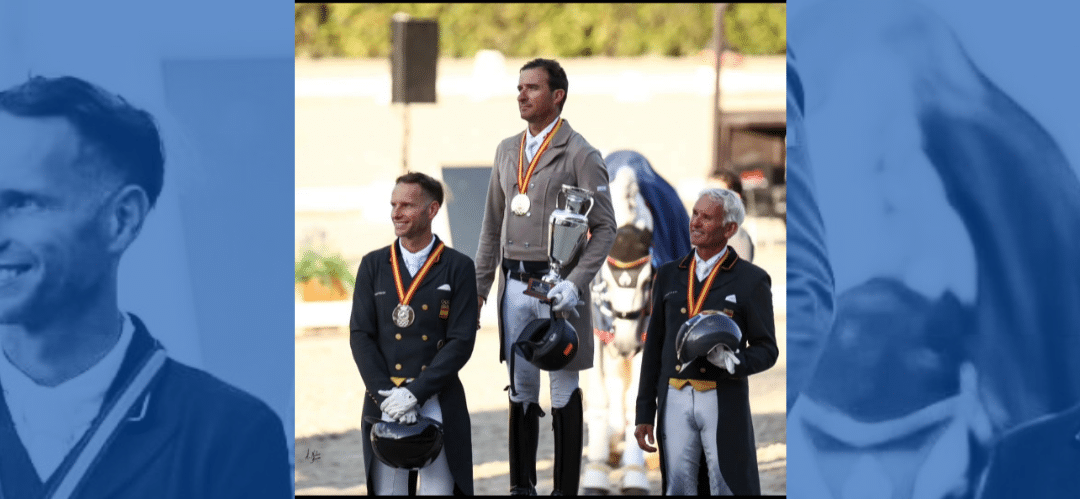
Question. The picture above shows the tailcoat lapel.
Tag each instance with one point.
(17, 475)
(150, 423)
(555, 149)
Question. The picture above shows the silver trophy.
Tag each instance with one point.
(569, 226)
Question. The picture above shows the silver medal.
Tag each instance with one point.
(403, 315)
(520, 204)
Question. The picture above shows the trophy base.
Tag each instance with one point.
(538, 288)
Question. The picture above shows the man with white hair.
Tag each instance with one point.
(702, 408)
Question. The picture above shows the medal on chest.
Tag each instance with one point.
(403, 315)
(520, 203)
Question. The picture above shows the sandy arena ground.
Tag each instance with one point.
(329, 394)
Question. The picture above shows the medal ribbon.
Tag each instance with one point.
(523, 177)
(695, 308)
(405, 297)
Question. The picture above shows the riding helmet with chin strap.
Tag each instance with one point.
(548, 343)
(704, 331)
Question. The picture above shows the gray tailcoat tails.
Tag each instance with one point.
(569, 160)
(430, 351)
(752, 310)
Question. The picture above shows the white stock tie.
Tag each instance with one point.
(530, 150)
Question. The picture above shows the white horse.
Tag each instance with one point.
(620, 296)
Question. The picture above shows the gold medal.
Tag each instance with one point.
(403, 315)
(520, 204)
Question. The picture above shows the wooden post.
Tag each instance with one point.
(718, 36)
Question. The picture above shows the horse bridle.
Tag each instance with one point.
(628, 316)
(621, 265)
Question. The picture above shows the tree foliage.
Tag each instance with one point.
(756, 28)
(557, 30)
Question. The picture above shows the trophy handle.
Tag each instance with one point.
(564, 193)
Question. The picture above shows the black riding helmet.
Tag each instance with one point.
(406, 446)
(548, 343)
(702, 332)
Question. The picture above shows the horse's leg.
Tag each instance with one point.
(596, 470)
(616, 387)
(635, 481)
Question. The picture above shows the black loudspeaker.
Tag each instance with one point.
(412, 59)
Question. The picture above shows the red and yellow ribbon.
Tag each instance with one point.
(523, 176)
(694, 308)
(405, 297)
(619, 264)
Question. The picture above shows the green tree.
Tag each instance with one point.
(756, 28)
(559, 30)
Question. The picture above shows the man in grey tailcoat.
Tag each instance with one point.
(530, 170)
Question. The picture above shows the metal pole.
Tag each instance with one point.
(405, 138)
(718, 34)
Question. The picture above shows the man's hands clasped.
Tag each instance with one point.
(399, 404)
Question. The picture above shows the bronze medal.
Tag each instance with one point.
(403, 315)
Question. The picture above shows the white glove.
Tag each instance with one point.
(409, 417)
(724, 358)
(564, 296)
(398, 401)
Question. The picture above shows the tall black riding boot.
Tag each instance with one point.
(524, 434)
(567, 422)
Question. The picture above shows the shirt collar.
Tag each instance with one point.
(49, 420)
(543, 133)
(93, 382)
(710, 262)
(422, 254)
(861, 434)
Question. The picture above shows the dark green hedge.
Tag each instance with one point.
(557, 30)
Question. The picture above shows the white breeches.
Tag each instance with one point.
(690, 424)
(518, 311)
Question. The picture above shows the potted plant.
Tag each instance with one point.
(323, 276)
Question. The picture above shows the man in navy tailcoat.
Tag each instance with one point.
(413, 328)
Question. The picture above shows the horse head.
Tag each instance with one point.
(626, 200)
(625, 284)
